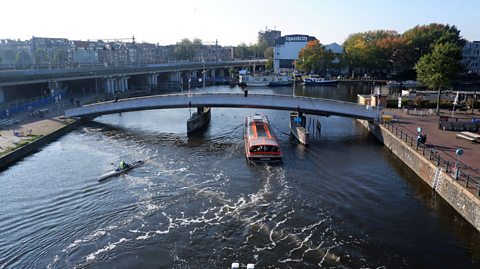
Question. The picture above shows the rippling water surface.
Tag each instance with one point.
(342, 202)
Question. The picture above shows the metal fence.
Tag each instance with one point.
(459, 171)
(25, 104)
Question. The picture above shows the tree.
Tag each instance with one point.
(59, 57)
(420, 40)
(391, 51)
(233, 72)
(243, 51)
(41, 57)
(185, 50)
(197, 42)
(268, 54)
(436, 69)
(197, 47)
(314, 58)
(23, 58)
(371, 50)
(9, 56)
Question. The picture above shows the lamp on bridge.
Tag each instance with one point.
(203, 72)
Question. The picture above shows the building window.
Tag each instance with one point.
(286, 63)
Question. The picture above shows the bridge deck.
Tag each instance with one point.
(308, 105)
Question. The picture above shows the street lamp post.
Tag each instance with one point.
(458, 152)
(204, 72)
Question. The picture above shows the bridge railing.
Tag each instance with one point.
(99, 70)
(459, 171)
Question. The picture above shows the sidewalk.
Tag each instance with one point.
(29, 126)
(444, 142)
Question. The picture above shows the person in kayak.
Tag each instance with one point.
(123, 165)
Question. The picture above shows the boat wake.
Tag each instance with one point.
(265, 216)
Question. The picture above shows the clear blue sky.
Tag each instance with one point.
(231, 22)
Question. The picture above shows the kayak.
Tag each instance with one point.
(119, 171)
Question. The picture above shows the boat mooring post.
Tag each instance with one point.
(319, 128)
(310, 127)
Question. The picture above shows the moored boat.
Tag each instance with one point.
(119, 171)
(280, 80)
(198, 119)
(317, 80)
(297, 127)
(255, 81)
(260, 142)
(264, 80)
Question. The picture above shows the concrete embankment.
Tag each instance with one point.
(463, 200)
(31, 147)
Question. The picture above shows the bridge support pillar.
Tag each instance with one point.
(110, 85)
(213, 76)
(122, 84)
(55, 87)
(2, 95)
(175, 77)
(152, 80)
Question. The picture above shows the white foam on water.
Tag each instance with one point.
(92, 237)
(90, 257)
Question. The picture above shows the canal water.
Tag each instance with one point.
(342, 202)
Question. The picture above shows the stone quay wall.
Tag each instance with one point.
(460, 198)
(33, 146)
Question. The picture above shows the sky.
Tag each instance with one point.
(229, 22)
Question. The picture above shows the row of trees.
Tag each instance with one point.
(19, 58)
(432, 54)
(23, 59)
(188, 49)
(382, 53)
(388, 52)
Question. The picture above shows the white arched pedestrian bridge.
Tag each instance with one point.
(308, 105)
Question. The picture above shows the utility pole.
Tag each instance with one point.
(473, 99)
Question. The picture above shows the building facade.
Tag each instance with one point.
(15, 54)
(41, 52)
(49, 52)
(286, 50)
(83, 53)
(471, 57)
(269, 37)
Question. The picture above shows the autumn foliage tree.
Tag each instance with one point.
(387, 52)
(437, 69)
(314, 58)
(421, 39)
(373, 51)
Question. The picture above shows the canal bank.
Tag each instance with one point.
(440, 175)
(28, 138)
(31, 131)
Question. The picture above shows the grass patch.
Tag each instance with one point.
(20, 144)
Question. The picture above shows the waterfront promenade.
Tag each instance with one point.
(445, 143)
(28, 125)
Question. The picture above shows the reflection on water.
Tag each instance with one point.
(343, 201)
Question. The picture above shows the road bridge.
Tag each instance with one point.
(307, 105)
(32, 76)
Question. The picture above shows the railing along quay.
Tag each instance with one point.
(469, 180)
